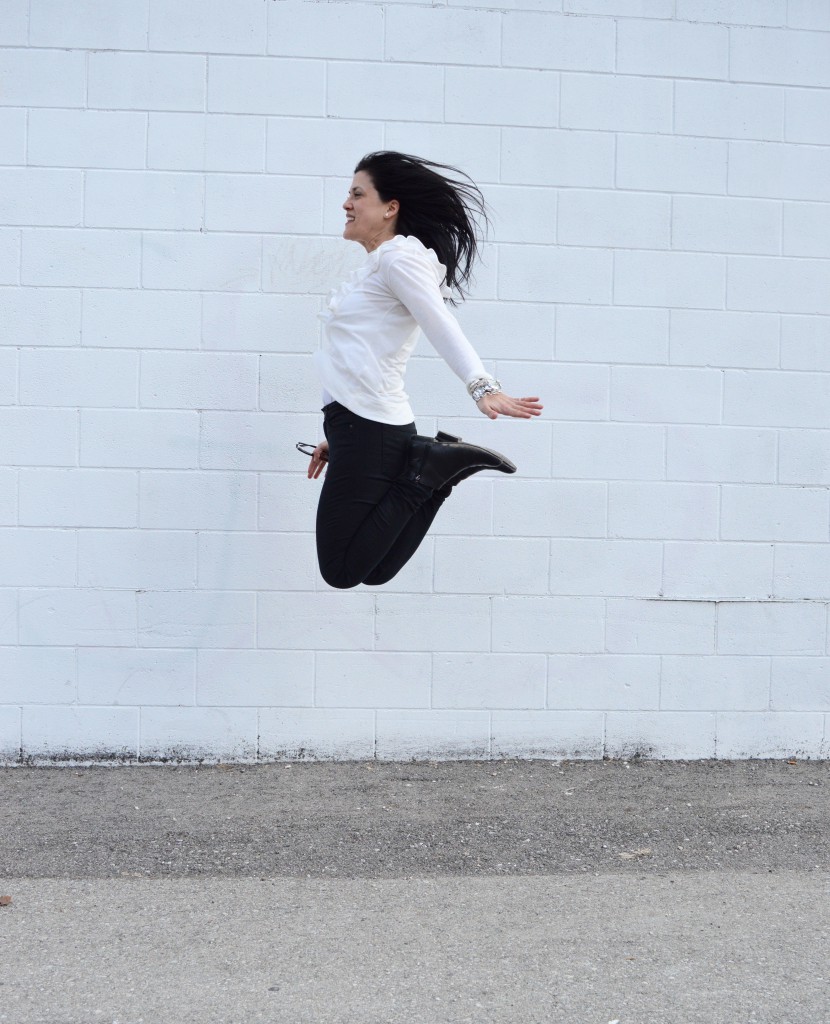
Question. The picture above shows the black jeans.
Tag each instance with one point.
(370, 517)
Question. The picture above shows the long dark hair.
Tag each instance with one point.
(442, 212)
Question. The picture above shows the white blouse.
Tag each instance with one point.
(371, 326)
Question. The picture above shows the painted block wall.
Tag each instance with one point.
(655, 580)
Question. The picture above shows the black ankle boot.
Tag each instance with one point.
(435, 462)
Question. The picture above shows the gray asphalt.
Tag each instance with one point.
(377, 893)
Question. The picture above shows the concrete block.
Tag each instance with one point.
(75, 617)
(724, 338)
(78, 497)
(761, 398)
(10, 735)
(86, 138)
(197, 501)
(255, 441)
(37, 675)
(8, 616)
(31, 77)
(316, 734)
(201, 262)
(605, 567)
(372, 679)
(533, 156)
(79, 734)
(212, 734)
(39, 195)
(263, 203)
(665, 394)
(379, 91)
(38, 437)
(440, 35)
(808, 116)
(141, 319)
(475, 149)
(548, 625)
(801, 572)
(547, 734)
(196, 618)
(779, 56)
(714, 683)
(15, 28)
(470, 512)
(721, 224)
(574, 392)
(289, 383)
(262, 85)
(319, 146)
(616, 682)
(242, 322)
(9, 256)
(327, 31)
(808, 14)
(206, 142)
(256, 561)
(521, 214)
(734, 12)
(534, 40)
(433, 735)
(804, 457)
(551, 508)
(203, 380)
(608, 451)
(140, 438)
(484, 681)
(743, 734)
(218, 27)
(466, 86)
(287, 502)
(663, 510)
(41, 316)
(255, 678)
(804, 343)
(137, 560)
(614, 219)
(672, 735)
(94, 25)
(712, 571)
(626, 8)
(612, 334)
(146, 81)
(779, 170)
(37, 558)
(523, 330)
(413, 622)
(13, 136)
(78, 377)
(663, 163)
(317, 621)
(8, 376)
(80, 257)
(729, 111)
(615, 103)
(660, 627)
(490, 565)
(762, 512)
(675, 49)
(143, 199)
(771, 627)
(543, 273)
(800, 684)
(136, 677)
(9, 497)
(806, 227)
(694, 280)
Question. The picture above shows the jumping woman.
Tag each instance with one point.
(385, 482)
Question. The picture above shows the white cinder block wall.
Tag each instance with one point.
(656, 578)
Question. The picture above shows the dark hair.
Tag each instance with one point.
(441, 212)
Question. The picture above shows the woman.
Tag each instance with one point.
(385, 483)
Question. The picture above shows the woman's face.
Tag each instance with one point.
(369, 220)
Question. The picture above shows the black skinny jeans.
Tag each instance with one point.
(370, 518)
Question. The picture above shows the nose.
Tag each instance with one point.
(347, 203)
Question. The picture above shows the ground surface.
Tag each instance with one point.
(446, 893)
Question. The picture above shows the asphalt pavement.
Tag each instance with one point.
(537, 892)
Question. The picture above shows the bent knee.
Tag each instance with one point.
(339, 578)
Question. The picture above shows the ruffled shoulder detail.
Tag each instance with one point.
(413, 245)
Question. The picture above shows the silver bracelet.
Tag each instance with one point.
(483, 386)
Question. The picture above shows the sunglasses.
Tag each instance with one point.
(309, 449)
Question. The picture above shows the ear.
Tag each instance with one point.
(394, 207)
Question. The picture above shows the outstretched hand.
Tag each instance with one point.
(500, 404)
(318, 460)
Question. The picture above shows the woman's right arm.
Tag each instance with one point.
(318, 460)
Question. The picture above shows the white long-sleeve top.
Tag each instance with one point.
(371, 326)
